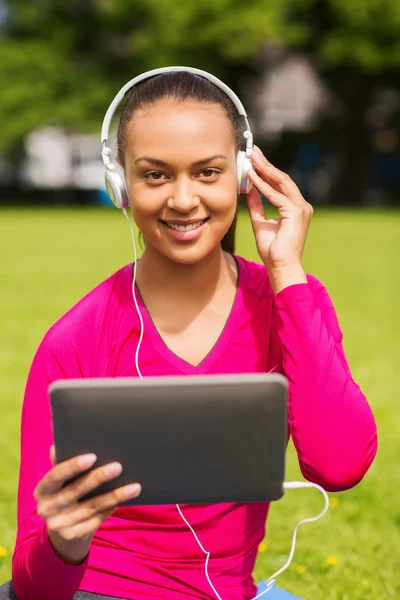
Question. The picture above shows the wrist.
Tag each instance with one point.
(72, 552)
(285, 276)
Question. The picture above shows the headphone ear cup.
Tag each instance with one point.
(243, 165)
(116, 186)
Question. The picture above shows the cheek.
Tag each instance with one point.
(145, 203)
(223, 201)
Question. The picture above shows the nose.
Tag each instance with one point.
(183, 197)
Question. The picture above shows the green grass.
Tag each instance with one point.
(50, 258)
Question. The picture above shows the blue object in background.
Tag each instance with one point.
(275, 593)
(102, 197)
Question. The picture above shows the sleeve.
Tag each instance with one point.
(330, 421)
(37, 571)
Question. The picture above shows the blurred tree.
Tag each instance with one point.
(61, 62)
(355, 45)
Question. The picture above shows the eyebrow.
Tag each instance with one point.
(162, 163)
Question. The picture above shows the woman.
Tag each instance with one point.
(206, 311)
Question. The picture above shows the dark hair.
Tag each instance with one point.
(181, 86)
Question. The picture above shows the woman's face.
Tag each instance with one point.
(180, 170)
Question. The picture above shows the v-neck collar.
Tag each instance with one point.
(152, 335)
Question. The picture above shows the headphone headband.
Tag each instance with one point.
(114, 173)
(105, 152)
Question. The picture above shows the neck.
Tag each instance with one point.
(158, 274)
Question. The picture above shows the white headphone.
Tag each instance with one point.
(115, 176)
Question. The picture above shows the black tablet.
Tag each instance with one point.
(187, 440)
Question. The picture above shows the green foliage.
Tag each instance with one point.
(211, 31)
(364, 33)
(41, 87)
(61, 62)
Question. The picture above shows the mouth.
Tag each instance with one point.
(182, 226)
(184, 231)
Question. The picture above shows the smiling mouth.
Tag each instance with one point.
(189, 227)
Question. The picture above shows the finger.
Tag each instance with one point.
(256, 152)
(283, 180)
(71, 493)
(59, 474)
(255, 205)
(276, 198)
(65, 499)
(85, 528)
(53, 455)
(87, 510)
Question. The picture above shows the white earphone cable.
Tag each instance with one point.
(203, 550)
(134, 294)
(270, 582)
(296, 485)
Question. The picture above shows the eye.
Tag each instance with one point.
(208, 173)
(154, 175)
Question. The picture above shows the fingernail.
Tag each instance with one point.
(87, 460)
(113, 468)
(132, 489)
(256, 150)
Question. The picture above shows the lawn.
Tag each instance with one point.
(50, 258)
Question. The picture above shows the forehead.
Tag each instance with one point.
(172, 126)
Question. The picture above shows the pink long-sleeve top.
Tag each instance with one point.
(149, 552)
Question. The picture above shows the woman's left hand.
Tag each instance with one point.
(280, 242)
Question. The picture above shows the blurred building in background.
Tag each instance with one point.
(56, 159)
(290, 96)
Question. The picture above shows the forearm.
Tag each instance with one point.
(38, 573)
(331, 423)
(283, 277)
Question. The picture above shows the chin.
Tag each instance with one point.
(190, 256)
(187, 254)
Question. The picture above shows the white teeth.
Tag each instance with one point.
(185, 227)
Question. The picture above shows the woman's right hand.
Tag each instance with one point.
(71, 525)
